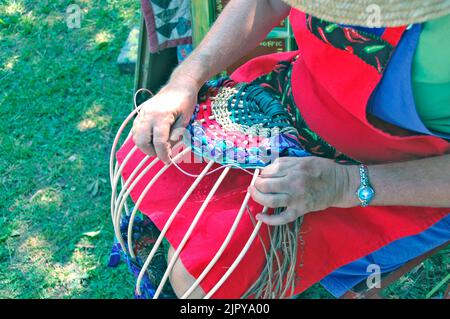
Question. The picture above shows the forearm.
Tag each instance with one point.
(240, 28)
(424, 182)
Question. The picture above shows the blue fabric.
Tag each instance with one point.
(393, 100)
(376, 31)
(388, 258)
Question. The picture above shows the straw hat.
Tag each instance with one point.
(374, 13)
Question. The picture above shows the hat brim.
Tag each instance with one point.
(374, 13)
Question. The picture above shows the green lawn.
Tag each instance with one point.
(62, 99)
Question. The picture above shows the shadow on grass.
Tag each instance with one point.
(62, 96)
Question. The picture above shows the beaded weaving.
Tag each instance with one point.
(242, 124)
(239, 126)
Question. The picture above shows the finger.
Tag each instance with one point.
(161, 142)
(144, 145)
(276, 169)
(268, 199)
(142, 138)
(286, 217)
(178, 130)
(272, 185)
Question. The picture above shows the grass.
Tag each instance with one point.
(62, 98)
(427, 280)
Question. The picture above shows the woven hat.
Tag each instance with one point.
(374, 13)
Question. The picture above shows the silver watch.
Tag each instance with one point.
(365, 192)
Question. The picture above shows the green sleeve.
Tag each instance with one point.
(431, 75)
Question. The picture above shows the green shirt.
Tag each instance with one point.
(431, 75)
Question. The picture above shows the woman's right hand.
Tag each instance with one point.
(156, 128)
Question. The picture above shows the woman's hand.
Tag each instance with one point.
(302, 185)
(155, 129)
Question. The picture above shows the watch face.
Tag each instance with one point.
(366, 193)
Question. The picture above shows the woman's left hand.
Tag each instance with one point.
(302, 185)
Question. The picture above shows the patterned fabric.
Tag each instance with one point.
(168, 23)
(145, 234)
(368, 47)
(183, 52)
(278, 83)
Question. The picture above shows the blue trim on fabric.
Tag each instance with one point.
(389, 257)
(393, 99)
(375, 31)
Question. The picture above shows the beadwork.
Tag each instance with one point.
(248, 127)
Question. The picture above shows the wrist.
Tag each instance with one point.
(183, 88)
(183, 82)
(191, 73)
(351, 185)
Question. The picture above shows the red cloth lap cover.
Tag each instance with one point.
(331, 88)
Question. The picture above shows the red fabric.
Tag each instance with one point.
(392, 35)
(261, 65)
(331, 87)
(213, 227)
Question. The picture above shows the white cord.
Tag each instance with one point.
(211, 172)
(139, 91)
